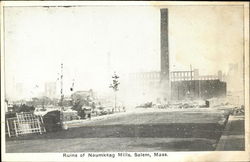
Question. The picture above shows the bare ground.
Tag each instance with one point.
(142, 130)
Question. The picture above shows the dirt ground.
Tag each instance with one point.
(141, 130)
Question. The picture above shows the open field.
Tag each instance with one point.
(140, 130)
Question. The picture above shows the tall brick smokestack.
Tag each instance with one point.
(165, 83)
(164, 45)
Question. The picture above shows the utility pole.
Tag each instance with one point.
(61, 87)
(61, 102)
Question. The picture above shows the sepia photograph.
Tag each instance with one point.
(124, 79)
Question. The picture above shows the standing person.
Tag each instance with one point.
(89, 116)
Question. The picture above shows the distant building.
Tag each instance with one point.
(182, 75)
(50, 89)
(198, 89)
(145, 79)
(184, 85)
(145, 86)
(196, 74)
(191, 85)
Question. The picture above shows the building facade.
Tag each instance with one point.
(198, 89)
(184, 85)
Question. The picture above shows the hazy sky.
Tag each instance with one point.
(38, 39)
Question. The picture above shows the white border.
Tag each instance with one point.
(172, 156)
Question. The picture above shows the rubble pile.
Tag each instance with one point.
(239, 110)
(175, 105)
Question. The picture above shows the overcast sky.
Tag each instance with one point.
(38, 39)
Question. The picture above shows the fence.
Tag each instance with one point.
(24, 123)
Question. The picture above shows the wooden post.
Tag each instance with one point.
(38, 124)
(15, 128)
(8, 128)
(44, 130)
